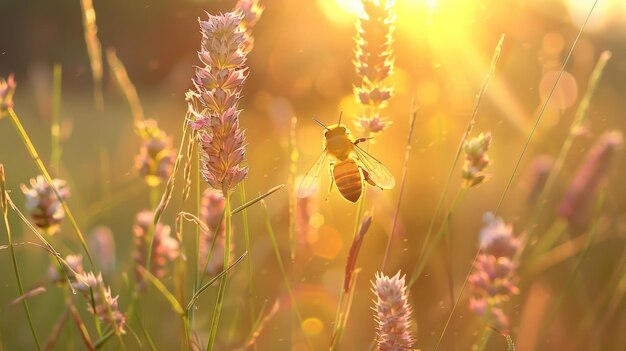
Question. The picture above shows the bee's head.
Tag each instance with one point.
(335, 130)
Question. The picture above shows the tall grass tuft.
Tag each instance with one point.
(218, 84)
(94, 49)
(4, 201)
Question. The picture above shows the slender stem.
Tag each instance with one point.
(199, 273)
(459, 150)
(18, 277)
(154, 201)
(55, 131)
(246, 236)
(223, 282)
(543, 109)
(336, 337)
(341, 306)
(572, 276)
(484, 339)
(405, 169)
(42, 168)
(443, 229)
(283, 270)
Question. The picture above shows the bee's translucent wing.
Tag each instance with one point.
(310, 183)
(377, 172)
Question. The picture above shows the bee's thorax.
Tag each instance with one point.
(338, 142)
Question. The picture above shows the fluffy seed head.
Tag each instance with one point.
(218, 84)
(7, 89)
(164, 247)
(374, 63)
(393, 313)
(493, 280)
(476, 159)
(43, 205)
(104, 305)
(252, 11)
(577, 199)
(156, 158)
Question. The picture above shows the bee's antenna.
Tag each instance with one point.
(340, 114)
(320, 123)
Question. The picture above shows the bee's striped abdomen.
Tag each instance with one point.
(348, 179)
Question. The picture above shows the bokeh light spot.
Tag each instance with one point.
(553, 43)
(316, 220)
(329, 243)
(312, 326)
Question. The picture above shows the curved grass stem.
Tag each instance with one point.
(16, 269)
(405, 169)
(42, 168)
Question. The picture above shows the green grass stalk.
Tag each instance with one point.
(336, 337)
(405, 169)
(94, 50)
(573, 274)
(459, 150)
(55, 130)
(283, 271)
(441, 232)
(341, 305)
(484, 339)
(42, 168)
(246, 237)
(223, 282)
(16, 269)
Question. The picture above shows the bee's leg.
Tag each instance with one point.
(361, 140)
(366, 177)
(332, 180)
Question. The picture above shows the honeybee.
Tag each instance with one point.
(350, 166)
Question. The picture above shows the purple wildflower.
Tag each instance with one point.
(218, 84)
(493, 279)
(575, 203)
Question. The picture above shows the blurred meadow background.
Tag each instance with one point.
(570, 276)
